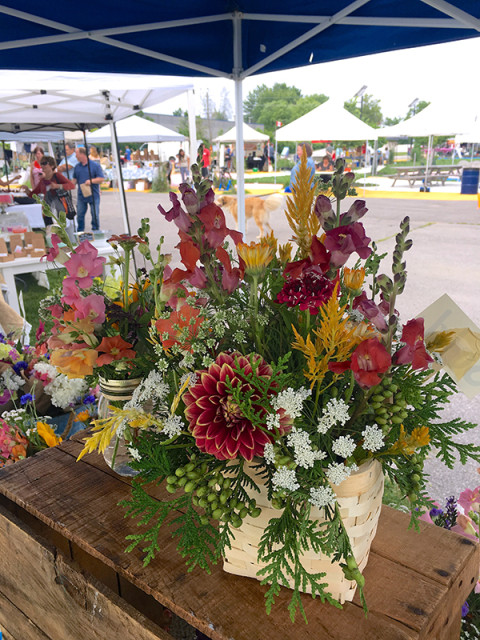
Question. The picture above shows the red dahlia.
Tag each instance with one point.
(309, 291)
(215, 419)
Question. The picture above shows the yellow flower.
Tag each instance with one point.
(47, 434)
(256, 255)
(406, 444)
(285, 252)
(439, 340)
(74, 363)
(353, 278)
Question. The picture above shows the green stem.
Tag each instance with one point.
(126, 276)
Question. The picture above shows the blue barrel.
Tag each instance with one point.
(470, 179)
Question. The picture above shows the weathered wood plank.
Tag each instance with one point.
(15, 625)
(406, 585)
(62, 601)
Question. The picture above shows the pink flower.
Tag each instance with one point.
(92, 307)
(470, 500)
(84, 266)
(71, 292)
(414, 351)
(55, 253)
(177, 214)
(371, 311)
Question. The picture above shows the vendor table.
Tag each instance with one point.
(31, 265)
(33, 213)
(415, 583)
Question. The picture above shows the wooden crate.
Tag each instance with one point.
(415, 583)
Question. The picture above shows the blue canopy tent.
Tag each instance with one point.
(222, 38)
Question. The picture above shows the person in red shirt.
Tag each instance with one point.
(206, 162)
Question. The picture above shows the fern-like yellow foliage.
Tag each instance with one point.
(105, 428)
(334, 341)
(300, 214)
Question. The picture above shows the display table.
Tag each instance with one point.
(31, 265)
(33, 213)
(415, 583)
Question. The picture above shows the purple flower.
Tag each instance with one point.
(19, 366)
(371, 311)
(345, 240)
(465, 609)
(26, 398)
(89, 399)
(434, 513)
(176, 213)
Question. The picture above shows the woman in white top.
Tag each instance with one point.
(183, 165)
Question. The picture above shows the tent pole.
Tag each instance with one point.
(121, 189)
(192, 126)
(430, 143)
(6, 166)
(237, 68)
(276, 143)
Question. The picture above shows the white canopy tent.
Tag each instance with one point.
(136, 129)
(61, 102)
(249, 135)
(328, 121)
(435, 120)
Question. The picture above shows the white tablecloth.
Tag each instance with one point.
(32, 211)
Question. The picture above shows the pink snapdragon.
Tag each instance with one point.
(91, 307)
(84, 265)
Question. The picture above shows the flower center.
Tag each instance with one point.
(82, 272)
(230, 409)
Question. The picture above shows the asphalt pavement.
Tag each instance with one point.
(445, 258)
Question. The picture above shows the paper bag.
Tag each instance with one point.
(5, 256)
(16, 247)
(35, 244)
(86, 190)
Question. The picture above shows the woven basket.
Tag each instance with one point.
(360, 501)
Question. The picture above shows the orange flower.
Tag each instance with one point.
(353, 278)
(47, 434)
(74, 363)
(114, 348)
(82, 416)
(188, 320)
(19, 452)
(256, 256)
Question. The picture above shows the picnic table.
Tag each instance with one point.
(65, 574)
(436, 173)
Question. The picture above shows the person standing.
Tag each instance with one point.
(205, 161)
(35, 168)
(69, 162)
(49, 183)
(89, 176)
(307, 148)
(228, 157)
(271, 154)
(182, 165)
(128, 154)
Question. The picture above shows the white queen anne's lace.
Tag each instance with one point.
(285, 478)
(335, 412)
(304, 455)
(321, 496)
(344, 446)
(372, 438)
(337, 472)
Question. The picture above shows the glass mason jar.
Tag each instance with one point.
(115, 393)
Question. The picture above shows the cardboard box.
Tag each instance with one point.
(34, 244)
(5, 255)
(16, 247)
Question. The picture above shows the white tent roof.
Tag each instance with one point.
(136, 129)
(75, 101)
(249, 135)
(329, 121)
(472, 136)
(434, 120)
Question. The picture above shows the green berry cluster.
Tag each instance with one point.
(352, 572)
(415, 478)
(388, 404)
(212, 492)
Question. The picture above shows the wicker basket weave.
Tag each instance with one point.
(360, 501)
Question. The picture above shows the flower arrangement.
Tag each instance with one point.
(270, 369)
(462, 516)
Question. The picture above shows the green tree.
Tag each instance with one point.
(265, 105)
(179, 112)
(367, 109)
(420, 106)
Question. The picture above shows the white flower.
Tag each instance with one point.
(335, 412)
(151, 389)
(269, 453)
(337, 472)
(192, 378)
(304, 455)
(66, 392)
(291, 401)
(372, 438)
(285, 478)
(173, 426)
(321, 496)
(344, 446)
(11, 381)
(134, 453)
(273, 421)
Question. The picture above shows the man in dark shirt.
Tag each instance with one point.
(88, 175)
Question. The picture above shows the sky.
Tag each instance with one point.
(445, 73)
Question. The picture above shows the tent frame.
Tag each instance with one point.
(456, 19)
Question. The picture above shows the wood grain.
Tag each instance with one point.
(414, 582)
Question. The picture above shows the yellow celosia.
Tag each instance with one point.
(300, 213)
(439, 340)
(256, 255)
(285, 252)
(47, 434)
(105, 428)
(406, 444)
(335, 339)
